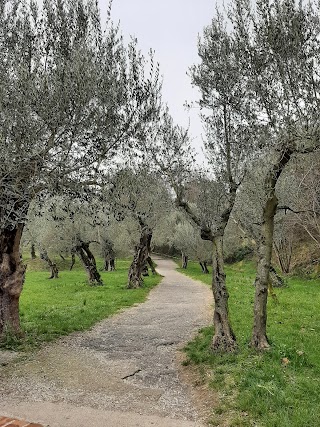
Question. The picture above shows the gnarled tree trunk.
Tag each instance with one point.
(204, 267)
(109, 258)
(259, 339)
(53, 266)
(12, 274)
(151, 265)
(73, 260)
(184, 260)
(33, 251)
(140, 258)
(275, 279)
(224, 339)
(112, 264)
(88, 261)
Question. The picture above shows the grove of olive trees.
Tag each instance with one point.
(93, 163)
(71, 95)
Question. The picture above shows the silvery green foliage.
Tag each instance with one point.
(278, 43)
(260, 74)
(124, 235)
(60, 223)
(226, 110)
(250, 201)
(299, 198)
(71, 95)
(139, 194)
(187, 239)
(208, 198)
(259, 82)
(169, 152)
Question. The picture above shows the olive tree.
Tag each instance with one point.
(139, 194)
(207, 202)
(278, 47)
(67, 226)
(70, 95)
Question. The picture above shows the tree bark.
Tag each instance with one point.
(145, 271)
(259, 339)
(52, 265)
(140, 258)
(151, 265)
(108, 255)
(224, 339)
(88, 261)
(12, 275)
(33, 251)
(275, 279)
(106, 264)
(112, 264)
(73, 260)
(204, 268)
(184, 260)
(283, 250)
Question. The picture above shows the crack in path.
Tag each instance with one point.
(83, 374)
(131, 375)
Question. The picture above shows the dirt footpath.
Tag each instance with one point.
(123, 372)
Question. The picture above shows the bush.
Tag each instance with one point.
(239, 254)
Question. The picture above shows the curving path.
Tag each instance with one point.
(123, 372)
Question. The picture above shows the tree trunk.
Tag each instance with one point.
(283, 250)
(109, 262)
(88, 261)
(259, 339)
(151, 265)
(73, 260)
(204, 268)
(33, 251)
(108, 255)
(140, 257)
(52, 265)
(275, 279)
(205, 265)
(112, 264)
(224, 339)
(12, 274)
(184, 260)
(145, 271)
(106, 264)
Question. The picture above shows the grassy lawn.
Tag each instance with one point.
(52, 308)
(281, 387)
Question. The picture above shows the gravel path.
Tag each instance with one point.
(123, 372)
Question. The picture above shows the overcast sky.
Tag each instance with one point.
(171, 28)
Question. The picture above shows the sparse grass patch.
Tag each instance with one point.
(281, 387)
(52, 308)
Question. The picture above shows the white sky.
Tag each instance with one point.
(171, 28)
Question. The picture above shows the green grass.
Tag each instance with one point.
(260, 389)
(52, 308)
